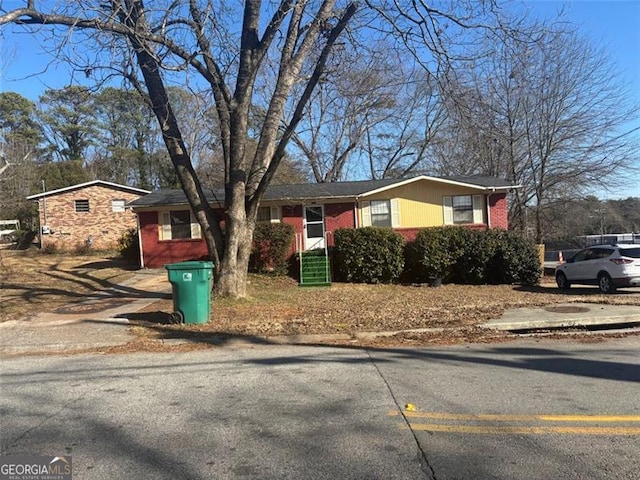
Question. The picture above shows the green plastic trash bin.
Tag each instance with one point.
(191, 283)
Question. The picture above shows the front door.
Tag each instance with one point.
(313, 227)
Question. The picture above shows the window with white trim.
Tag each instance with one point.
(81, 206)
(178, 225)
(462, 206)
(463, 209)
(118, 205)
(381, 213)
(268, 215)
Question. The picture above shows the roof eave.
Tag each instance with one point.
(38, 196)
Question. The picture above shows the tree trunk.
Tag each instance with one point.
(173, 140)
(235, 262)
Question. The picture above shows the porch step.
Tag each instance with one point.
(314, 270)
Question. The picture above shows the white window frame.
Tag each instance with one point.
(380, 209)
(118, 205)
(164, 225)
(275, 215)
(394, 209)
(477, 203)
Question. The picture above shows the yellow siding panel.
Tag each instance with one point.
(421, 202)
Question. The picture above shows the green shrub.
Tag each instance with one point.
(517, 260)
(461, 255)
(25, 239)
(129, 247)
(368, 255)
(271, 243)
(435, 252)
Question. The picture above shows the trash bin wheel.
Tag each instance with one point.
(176, 317)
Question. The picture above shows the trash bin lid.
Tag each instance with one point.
(190, 265)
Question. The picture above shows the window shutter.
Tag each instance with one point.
(478, 205)
(165, 226)
(395, 213)
(365, 208)
(447, 209)
(275, 214)
(195, 227)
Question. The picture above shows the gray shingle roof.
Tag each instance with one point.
(314, 191)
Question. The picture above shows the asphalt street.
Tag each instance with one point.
(521, 410)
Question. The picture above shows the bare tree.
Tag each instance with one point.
(548, 114)
(270, 55)
(401, 144)
(353, 97)
(196, 39)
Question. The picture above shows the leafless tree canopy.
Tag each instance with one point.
(548, 113)
(452, 87)
(243, 54)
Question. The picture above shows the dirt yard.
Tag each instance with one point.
(278, 306)
(32, 281)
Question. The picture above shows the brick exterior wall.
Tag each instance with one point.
(100, 227)
(338, 215)
(498, 211)
(157, 253)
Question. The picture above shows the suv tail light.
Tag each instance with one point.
(621, 261)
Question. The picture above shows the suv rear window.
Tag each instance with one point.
(630, 252)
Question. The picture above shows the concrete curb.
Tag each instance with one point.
(568, 315)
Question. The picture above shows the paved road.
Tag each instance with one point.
(319, 412)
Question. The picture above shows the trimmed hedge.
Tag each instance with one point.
(461, 255)
(368, 255)
(271, 243)
(435, 252)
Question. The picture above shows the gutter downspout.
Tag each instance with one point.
(355, 213)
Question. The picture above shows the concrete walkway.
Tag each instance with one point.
(102, 320)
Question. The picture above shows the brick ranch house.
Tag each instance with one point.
(93, 214)
(170, 233)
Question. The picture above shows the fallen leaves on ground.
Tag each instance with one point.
(277, 306)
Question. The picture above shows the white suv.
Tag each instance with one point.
(608, 266)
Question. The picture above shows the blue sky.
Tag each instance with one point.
(613, 25)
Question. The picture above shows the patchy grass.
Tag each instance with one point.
(277, 306)
(31, 281)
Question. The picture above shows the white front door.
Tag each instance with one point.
(313, 227)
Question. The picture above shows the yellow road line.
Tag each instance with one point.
(503, 429)
(518, 418)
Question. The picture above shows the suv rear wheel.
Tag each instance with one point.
(605, 283)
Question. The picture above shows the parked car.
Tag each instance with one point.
(608, 266)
